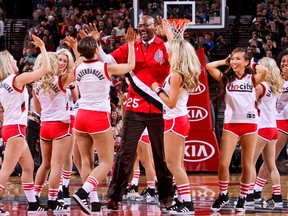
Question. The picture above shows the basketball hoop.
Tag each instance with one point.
(178, 27)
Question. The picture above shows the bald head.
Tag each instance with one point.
(146, 27)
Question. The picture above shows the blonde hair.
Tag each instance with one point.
(6, 68)
(273, 76)
(47, 80)
(70, 58)
(183, 59)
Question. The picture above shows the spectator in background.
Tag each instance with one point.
(269, 54)
(284, 43)
(120, 30)
(208, 40)
(28, 59)
(34, 21)
(255, 37)
(155, 10)
(111, 45)
(201, 14)
(102, 28)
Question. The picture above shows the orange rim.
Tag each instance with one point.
(178, 22)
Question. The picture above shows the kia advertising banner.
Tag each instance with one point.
(201, 146)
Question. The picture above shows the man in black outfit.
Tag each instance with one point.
(143, 109)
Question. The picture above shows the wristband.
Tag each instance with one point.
(158, 90)
(71, 87)
(253, 65)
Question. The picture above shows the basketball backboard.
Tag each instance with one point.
(204, 15)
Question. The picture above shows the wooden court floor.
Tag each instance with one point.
(203, 186)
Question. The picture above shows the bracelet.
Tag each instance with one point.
(253, 65)
(158, 90)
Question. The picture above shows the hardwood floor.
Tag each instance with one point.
(204, 189)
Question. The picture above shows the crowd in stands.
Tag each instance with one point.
(269, 30)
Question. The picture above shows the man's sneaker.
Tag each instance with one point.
(112, 204)
(132, 189)
(240, 204)
(220, 201)
(35, 207)
(258, 196)
(175, 205)
(81, 198)
(185, 208)
(156, 195)
(37, 199)
(96, 206)
(56, 206)
(60, 197)
(175, 191)
(250, 199)
(126, 191)
(148, 192)
(66, 196)
(275, 200)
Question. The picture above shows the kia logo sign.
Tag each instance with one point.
(197, 151)
(196, 113)
(198, 90)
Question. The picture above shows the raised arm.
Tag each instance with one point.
(261, 73)
(106, 58)
(30, 77)
(213, 70)
(72, 42)
(166, 28)
(67, 78)
(120, 69)
(91, 30)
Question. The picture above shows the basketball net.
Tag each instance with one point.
(178, 27)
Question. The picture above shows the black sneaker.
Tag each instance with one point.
(250, 199)
(56, 206)
(132, 189)
(185, 208)
(37, 199)
(66, 193)
(81, 198)
(175, 191)
(258, 196)
(126, 191)
(174, 206)
(148, 192)
(220, 201)
(60, 197)
(240, 204)
(35, 207)
(275, 200)
(96, 206)
(156, 193)
(66, 196)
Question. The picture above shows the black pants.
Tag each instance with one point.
(32, 134)
(133, 126)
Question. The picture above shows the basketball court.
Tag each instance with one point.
(204, 189)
